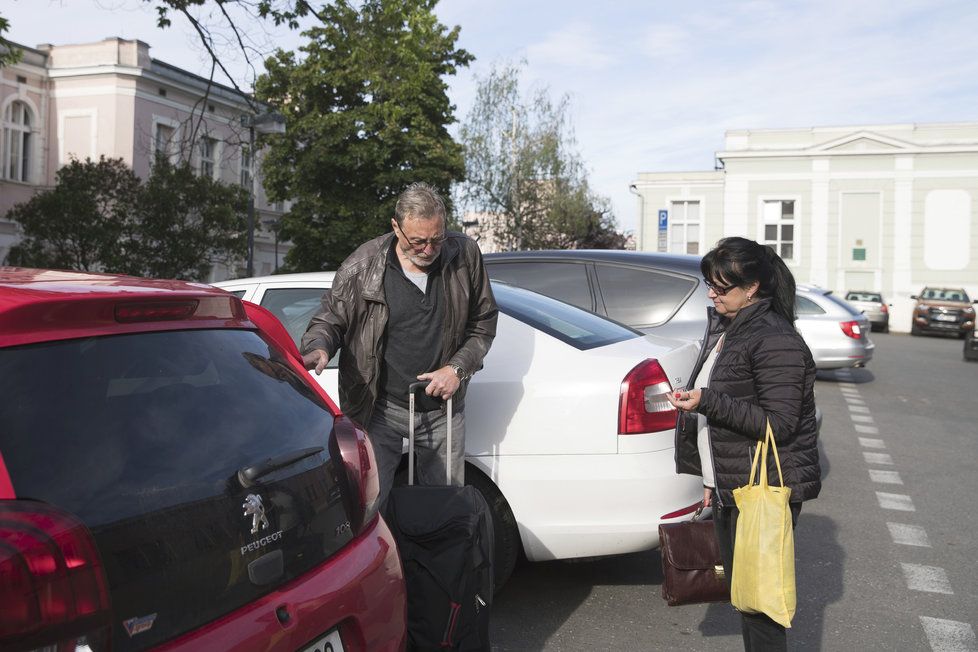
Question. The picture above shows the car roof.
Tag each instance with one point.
(687, 263)
(812, 289)
(277, 278)
(41, 305)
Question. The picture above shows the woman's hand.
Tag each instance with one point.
(682, 399)
(707, 494)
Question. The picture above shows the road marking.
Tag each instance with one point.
(864, 418)
(853, 399)
(877, 458)
(930, 579)
(867, 430)
(897, 502)
(908, 535)
(867, 442)
(949, 635)
(885, 477)
(849, 389)
(859, 408)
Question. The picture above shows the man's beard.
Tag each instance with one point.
(421, 262)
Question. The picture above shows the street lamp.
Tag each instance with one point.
(264, 123)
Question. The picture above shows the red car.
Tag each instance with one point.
(170, 479)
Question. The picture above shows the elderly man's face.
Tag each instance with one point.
(420, 239)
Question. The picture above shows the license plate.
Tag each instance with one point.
(945, 318)
(329, 643)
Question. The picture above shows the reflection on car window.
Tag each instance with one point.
(641, 297)
(565, 281)
(805, 306)
(569, 324)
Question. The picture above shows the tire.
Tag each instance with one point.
(508, 545)
(914, 330)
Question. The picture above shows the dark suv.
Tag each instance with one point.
(169, 476)
(942, 310)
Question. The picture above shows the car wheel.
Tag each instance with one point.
(507, 534)
(914, 330)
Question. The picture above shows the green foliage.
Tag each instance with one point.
(8, 53)
(521, 166)
(367, 111)
(101, 217)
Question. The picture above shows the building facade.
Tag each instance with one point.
(880, 208)
(112, 99)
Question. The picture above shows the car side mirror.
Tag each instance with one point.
(915, 297)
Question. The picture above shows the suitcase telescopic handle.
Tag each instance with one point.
(412, 390)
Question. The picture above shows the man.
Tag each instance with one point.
(413, 304)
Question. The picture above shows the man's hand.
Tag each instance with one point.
(444, 383)
(316, 360)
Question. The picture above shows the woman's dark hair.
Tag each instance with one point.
(740, 262)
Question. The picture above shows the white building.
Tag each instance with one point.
(110, 98)
(886, 208)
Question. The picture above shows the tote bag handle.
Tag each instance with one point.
(761, 452)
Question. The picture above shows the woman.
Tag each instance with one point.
(754, 367)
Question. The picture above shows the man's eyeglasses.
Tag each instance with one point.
(421, 243)
(719, 290)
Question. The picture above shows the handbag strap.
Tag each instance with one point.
(760, 454)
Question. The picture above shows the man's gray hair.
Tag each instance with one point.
(419, 200)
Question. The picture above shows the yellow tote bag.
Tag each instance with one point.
(764, 551)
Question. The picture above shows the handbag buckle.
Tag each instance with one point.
(718, 571)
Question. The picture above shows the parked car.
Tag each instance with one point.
(653, 292)
(942, 310)
(836, 332)
(568, 434)
(169, 478)
(665, 294)
(873, 306)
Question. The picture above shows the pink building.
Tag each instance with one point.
(110, 98)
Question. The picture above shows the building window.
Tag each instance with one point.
(208, 149)
(684, 227)
(779, 227)
(246, 167)
(17, 142)
(163, 142)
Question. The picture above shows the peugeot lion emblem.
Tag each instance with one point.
(253, 508)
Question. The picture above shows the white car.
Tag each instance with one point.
(568, 433)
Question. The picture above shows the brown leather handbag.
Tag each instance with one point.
(691, 569)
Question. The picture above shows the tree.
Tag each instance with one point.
(8, 53)
(101, 217)
(522, 168)
(368, 110)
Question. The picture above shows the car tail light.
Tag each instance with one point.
(852, 329)
(350, 447)
(642, 406)
(53, 590)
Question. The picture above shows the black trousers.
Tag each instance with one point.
(760, 633)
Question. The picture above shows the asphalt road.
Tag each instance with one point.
(886, 557)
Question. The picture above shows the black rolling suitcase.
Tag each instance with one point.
(445, 539)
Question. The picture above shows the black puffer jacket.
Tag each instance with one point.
(764, 371)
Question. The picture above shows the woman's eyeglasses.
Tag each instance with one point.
(421, 243)
(719, 290)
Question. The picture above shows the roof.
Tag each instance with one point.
(41, 305)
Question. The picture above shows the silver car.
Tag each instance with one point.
(873, 306)
(836, 332)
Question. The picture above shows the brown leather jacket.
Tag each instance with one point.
(354, 317)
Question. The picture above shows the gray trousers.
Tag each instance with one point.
(389, 428)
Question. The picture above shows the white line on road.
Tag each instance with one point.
(949, 635)
(885, 477)
(877, 458)
(909, 535)
(931, 579)
(853, 399)
(897, 502)
(867, 430)
(868, 442)
(859, 408)
(864, 418)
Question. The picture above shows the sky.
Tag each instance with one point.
(653, 85)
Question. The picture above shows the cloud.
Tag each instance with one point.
(575, 46)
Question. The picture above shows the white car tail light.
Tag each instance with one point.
(642, 405)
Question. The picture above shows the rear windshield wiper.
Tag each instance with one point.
(249, 474)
